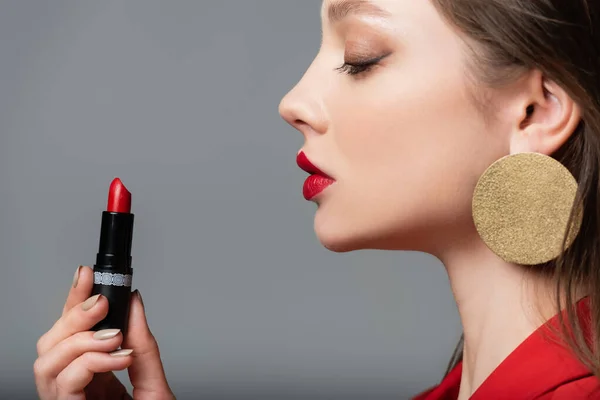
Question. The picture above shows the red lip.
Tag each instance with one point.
(317, 181)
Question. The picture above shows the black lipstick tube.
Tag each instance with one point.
(112, 272)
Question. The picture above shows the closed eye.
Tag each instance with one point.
(359, 66)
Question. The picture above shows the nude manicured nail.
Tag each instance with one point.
(139, 295)
(76, 276)
(89, 303)
(121, 353)
(106, 334)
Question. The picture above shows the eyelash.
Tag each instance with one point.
(359, 67)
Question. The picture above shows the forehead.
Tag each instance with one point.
(335, 10)
(404, 12)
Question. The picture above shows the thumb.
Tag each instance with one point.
(146, 372)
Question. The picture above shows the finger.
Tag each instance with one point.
(48, 366)
(79, 318)
(77, 375)
(146, 371)
(83, 280)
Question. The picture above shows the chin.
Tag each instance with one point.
(341, 235)
(338, 244)
(333, 236)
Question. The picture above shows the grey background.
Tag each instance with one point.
(179, 99)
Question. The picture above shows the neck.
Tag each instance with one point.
(500, 305)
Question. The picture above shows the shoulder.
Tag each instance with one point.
(584, 388)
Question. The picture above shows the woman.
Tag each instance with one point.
(467, 129)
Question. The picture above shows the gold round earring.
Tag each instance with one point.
(521, 208)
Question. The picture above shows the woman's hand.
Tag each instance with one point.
(75, 364)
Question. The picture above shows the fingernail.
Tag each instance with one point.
(89, 303)
(76, 276)
(121, 353)
(106, 334)
(139, 295)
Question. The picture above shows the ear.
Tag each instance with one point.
(545, 116)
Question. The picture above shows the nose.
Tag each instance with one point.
(303, 106)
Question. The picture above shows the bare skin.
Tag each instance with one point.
(406, 143)
(75, 364)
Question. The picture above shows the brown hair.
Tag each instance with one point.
(560, 38)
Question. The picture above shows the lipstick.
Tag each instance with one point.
(119, 198)
(112, 271)
(317, 181)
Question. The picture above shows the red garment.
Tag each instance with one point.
(537, 369)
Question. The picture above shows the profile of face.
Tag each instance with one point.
(387, 110)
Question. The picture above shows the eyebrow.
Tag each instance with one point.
(340, 9)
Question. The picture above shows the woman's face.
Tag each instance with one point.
(403, 138)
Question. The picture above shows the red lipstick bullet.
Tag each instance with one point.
(112, 271)
(119, 198)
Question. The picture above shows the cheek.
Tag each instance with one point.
(398, 127)
(407, 151)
